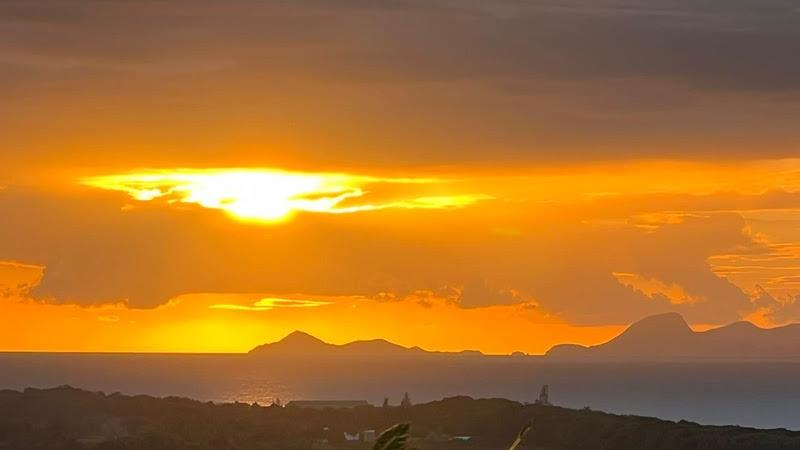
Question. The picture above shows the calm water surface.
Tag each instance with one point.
(764, 395)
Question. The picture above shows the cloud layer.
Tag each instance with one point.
(561, 258)
(395, 83)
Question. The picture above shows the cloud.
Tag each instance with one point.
(268, 304)
(481, 293)
(189, 324)
(94, 252)
(774, 310)
(656, 289)
(466, 87)
(388, 84)
(17, 279)
(715, 45)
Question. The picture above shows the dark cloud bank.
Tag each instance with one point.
(403, 82)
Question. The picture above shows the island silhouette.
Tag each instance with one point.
(662, 337)
(667, 337)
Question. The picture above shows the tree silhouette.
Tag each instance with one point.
(406, 402)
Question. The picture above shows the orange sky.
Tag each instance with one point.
(498, 279)
(426, 172)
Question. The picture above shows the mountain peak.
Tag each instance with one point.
(668, 323)
(300, 337)
(296, 342)
(299, 343)
(742, 325)
(651, 337)
(669, 337)
(650, 333)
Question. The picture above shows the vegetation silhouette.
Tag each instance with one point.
(71, 419)
(522, 433)
(396, 437)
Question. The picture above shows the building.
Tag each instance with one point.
(544, 396)
(369, 436)
(354, 437)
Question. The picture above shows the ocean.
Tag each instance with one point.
(757, 394)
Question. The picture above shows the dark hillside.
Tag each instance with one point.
(67, 418)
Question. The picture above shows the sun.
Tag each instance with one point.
(259, 196)
(271, 195)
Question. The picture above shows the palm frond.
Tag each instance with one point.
(522, 433)
(394, 438)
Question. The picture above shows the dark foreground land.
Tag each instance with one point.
(67, 418)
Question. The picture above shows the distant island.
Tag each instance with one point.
(300, 344)
(71, 419)
(663, 337)
(667, 337)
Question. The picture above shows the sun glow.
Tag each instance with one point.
(269, 195)
(268, 304)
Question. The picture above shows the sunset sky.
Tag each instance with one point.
(498, 175)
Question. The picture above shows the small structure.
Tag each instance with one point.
(327, 404)
(351, 437)
(366, 436)
(544, 396)
(406, 402)
(369, 436)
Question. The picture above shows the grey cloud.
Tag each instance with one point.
(717, 45)
(689, 268)
(786, 311)
(480, 292)
(399, 82)
(777, 310)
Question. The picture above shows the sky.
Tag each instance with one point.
(496, 175)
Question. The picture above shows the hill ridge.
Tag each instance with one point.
(668, 337)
